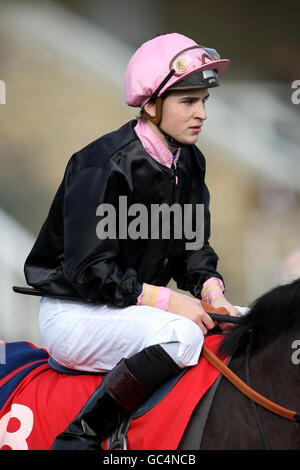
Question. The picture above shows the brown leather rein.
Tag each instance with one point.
(239, 384)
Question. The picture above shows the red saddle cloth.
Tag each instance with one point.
(163, 426)
(44, 402)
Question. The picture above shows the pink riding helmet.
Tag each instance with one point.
(162, 62)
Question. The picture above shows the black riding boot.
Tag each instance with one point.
(118, 395)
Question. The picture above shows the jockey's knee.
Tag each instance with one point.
(186, 346)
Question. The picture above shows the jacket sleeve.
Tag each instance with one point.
(194, 267)
(91, 249)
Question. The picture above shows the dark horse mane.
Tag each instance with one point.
(270, 315)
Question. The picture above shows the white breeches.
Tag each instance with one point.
(91, 337)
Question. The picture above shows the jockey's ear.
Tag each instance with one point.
(153, 110)
(150, 109)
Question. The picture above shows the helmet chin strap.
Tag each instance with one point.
(171, 141)
(156, 120)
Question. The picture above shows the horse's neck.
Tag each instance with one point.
(275, 375)
(273, 367)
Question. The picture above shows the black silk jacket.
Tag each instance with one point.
(69, 259)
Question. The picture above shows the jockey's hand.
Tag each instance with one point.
(190, 308)
(220, 301)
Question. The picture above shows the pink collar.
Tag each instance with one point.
(153, 145)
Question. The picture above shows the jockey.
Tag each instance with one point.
(120, 318)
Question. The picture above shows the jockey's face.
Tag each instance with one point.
(183, 114)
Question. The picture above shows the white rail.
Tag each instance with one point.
(18, 313)
(259, 129)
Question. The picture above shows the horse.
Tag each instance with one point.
(273, 326)
(37, 402)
